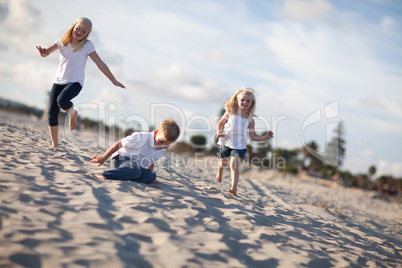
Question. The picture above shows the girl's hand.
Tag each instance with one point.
(118, 84)
(98, 159)
(220, 134)
(42, 51)
(270, 134)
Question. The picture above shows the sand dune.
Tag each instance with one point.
(52, 215)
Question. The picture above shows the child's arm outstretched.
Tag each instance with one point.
(221, 124)
(254, 136)
(100, 159)
(44, 52)
(105, 70)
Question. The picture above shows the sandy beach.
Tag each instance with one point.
(52, 215)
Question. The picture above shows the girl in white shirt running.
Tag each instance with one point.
(233, 130)
(74, 48)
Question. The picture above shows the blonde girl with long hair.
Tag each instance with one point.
(74, 49)
(233, 130)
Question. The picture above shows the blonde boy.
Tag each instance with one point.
(134, 156)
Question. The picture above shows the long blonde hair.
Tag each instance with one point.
(231, 104)
(66, 38)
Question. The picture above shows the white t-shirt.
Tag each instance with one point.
(71, 67)
(236, 131)
(140, 147)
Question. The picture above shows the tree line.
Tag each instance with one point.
(306, 159)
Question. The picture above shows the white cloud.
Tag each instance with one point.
(29, 74)
(175, 82)
(174, 74)
(388, 22)
(112, 95)
(323, 56)
(21, 23)
(371, 102)
(220, 51)
(388, 105)
(294, 98)
(389, 168)
(219, 56)
(325, 64)
(287, 144)
(378, 125)
(22, 18)
(367, 153)
(224, 39)
(307, 9)
(357, 165)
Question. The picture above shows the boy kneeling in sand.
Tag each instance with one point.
(133, 157)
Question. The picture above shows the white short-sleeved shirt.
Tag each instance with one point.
(71, 67)
(236, 131)
(140, 147)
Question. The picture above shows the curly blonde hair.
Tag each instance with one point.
(231, 104)
(66, 38)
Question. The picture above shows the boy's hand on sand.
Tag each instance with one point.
(97, 159)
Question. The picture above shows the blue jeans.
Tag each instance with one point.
(60, 97)
(126, 170)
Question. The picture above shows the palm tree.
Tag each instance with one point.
(315, 163)
(372, 170)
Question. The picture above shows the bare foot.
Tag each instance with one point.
(233, 193)
(73, 120)
(100, 177)
(155, 182)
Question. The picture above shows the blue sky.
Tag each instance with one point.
(338, 60)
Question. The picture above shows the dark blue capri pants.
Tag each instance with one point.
(126, 170)
(226, 152)
(60, 97)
